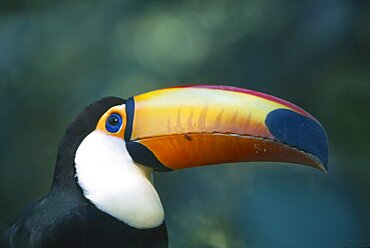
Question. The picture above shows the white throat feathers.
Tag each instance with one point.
(115, 184)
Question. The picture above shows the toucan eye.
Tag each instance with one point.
(113, 123)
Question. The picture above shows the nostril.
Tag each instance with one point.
(299, 131)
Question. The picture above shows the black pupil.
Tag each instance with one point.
(113, 120)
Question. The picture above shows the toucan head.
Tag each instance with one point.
(182, 127)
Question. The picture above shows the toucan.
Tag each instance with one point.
(102, 193)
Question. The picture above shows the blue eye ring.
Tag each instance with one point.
(113, 123)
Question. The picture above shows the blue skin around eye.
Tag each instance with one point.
(113, 128)
(299, 131)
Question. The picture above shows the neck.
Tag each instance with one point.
(64, 174)
(115, 184)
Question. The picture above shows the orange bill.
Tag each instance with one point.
(197, 125)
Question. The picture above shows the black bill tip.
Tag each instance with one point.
(299, 131)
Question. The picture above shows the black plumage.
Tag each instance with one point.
(64, 217)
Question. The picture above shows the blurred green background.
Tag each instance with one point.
(58, 56)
